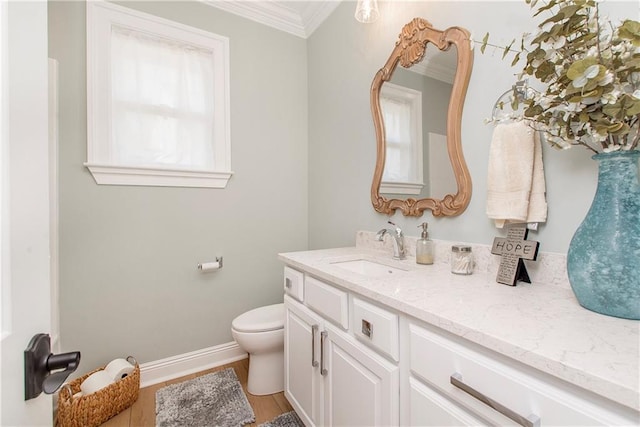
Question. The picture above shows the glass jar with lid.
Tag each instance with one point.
(461, 259)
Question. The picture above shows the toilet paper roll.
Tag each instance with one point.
(94, 382)
(209, 266)
(118, 369)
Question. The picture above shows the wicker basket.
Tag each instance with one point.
(96, 408)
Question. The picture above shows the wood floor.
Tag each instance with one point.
(143, 412)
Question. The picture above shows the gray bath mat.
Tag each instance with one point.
(288, 419)
(214, 399)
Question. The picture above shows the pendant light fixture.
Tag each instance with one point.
(367, 11)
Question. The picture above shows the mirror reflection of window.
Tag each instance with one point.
(402, 115)
(397, 120)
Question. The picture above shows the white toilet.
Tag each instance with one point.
(260, 332)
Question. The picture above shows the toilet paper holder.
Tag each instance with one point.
(39, 364)
(214, 265)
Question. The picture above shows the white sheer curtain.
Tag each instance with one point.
(162, 102)
(397, 122)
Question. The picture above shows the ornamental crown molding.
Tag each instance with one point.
(437, 71)
(300, 18)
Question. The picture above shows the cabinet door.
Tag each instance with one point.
(361, 387)
(429, 408)
(302, 380)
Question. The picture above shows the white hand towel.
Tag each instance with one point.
(515, 181)
(537, 199)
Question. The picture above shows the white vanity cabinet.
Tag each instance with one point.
(427, 407)
(452, 382)
(360, 387)
(331, 378)
(302, 377)
(352, 358)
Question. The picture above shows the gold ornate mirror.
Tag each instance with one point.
(409, 51)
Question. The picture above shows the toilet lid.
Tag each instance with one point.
(261, 319)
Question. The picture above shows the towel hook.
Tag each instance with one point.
(519, 89)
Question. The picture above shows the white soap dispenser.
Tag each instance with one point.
(424, 246)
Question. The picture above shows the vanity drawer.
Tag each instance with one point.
(428, 408)
(482, 381)
(376, 327)
(293, 283)
(330, 302)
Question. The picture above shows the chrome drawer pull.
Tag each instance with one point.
(323, 370)
(314, 362)
(367, 328)
(530, 421)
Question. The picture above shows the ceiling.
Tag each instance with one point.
(302, 17)
(299, 18)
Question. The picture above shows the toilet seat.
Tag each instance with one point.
(261, 319)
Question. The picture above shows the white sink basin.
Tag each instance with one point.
(368, 268)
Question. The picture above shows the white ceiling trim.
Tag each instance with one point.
(316, 12)
(299, 21)
(434, 70)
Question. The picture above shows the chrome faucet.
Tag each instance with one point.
(398, 240)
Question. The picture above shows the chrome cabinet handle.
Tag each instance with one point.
(367, 328)
(314, 362)
(530, 421)
(323, 370)
(287, 283)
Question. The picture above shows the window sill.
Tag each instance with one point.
(414, 188)
(156, 176)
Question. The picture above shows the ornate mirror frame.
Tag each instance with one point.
(409, 50)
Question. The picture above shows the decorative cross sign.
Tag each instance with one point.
(513, 250)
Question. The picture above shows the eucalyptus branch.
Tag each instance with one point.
(636, 140)
(505, 49)
(590, 148)
(598, 32)
(609, 140)
(587, 99)
(587, 146)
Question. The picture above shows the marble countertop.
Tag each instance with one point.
(540, 324)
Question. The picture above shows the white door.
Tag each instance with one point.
(24, 233)
(303, 383)
(361, 387)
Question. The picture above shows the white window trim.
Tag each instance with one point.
(5, 247)
(393, 187)
(394, 91)
(157, 176)
(102, 15)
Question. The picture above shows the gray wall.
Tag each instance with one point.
(303, 152)
(128, 255)
(344, 56)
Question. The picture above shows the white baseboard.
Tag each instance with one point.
(184, 364)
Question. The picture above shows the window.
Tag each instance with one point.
(402, 115)
(157, 101)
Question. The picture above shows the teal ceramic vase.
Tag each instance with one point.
(603, 260)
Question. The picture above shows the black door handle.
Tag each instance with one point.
(39, 363)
